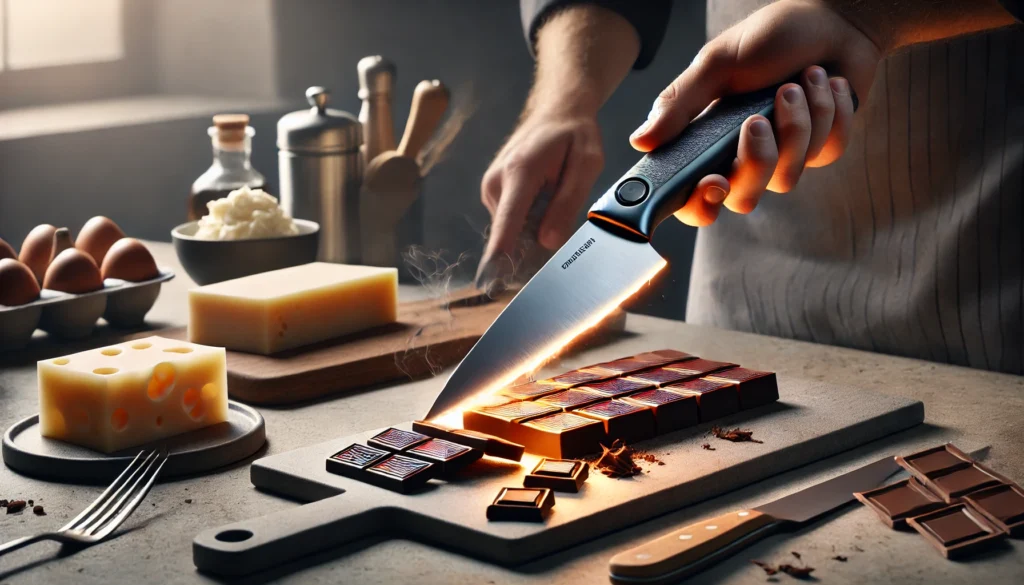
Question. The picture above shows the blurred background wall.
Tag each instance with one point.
(126, 136)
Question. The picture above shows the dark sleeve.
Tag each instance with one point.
(1014, 7)
(649, 17)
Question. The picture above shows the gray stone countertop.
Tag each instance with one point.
(154, 546)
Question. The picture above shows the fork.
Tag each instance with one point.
(109, 510)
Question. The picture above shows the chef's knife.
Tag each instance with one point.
(608, 259)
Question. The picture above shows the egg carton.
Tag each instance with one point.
(122, 303)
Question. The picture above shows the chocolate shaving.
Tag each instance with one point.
(617, 461)
(15, 506)
(707, 447)
(736, 435)
(791, 570)
(188, 501)
(768, 569)
(797, 555)
(839, 558)
(857, 548)
(38, 510)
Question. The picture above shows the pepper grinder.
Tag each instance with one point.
(376, 84)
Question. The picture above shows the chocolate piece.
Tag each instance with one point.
(560, 475)
(521, 504)
(499, 420)
(672, 411)
(961, 482)
(572, 398)
(622, 420)
(756, 388)
(1003, 505)
(935, 461)
(625, 365)
(617, 387)
(896, 502)
(489, 444)
(714, 399)
(396, 440)
(662, 376)
(700, 366)
(449, 457)
(663, 356)
(352, 460)
(956, 530)
(399, 473)
(563, 435)
(531, 390)
(583, 376)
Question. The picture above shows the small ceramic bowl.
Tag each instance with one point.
(210, 261)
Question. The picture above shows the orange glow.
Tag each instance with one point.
(453, 417)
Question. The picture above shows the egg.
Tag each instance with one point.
(73, 271)
(6, 251)
(17, 283)
(128, 259)
(36, 249)
(97, 236)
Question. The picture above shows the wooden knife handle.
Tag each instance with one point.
(689, 549)
(429, 101)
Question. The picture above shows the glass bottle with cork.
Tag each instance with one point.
(231, 136)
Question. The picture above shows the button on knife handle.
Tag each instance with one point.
(687, 550)
(707, 146)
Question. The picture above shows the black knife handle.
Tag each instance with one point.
(659, 185)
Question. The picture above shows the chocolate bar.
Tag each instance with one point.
(662, 376)
(562, 435)
(663, 356)
(755, 388)
(700, 366)
(956, 530)
(489, 444)
(714, 399)
(560, 475)
(1003, 505)
(935, 461)
(896, 502)
(616, 387)
(447, 456)
(396, 440)
(672, 411)
(531, 390)
(500, 420)
(381, 468)
(622, 420)
(521, 505)
(583, 376)
(572, 398)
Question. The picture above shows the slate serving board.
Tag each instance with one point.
(812, 421)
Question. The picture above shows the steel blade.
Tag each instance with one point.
(820, 498)
(584, 281)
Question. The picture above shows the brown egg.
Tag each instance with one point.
(97, 236)
(35, 250)
(17, 283)
(6, 251)
(128, 259)
(73, 271)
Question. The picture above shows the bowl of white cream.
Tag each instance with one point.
(244, 233)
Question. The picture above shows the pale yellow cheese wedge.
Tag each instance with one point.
(283, 309)
(124, 395)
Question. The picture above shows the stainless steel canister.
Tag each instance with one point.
(321, 172)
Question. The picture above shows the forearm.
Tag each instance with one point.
(892, 24)
(583, 53)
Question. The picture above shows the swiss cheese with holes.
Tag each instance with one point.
(124, 395)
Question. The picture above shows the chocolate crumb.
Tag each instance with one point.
(617, 461)
(857, 548)
(38, 510)
(839, 558)
(188, 501)
(31, 503)
(15, 506)
(707, 447)
(3, 503)
(768, 569)
(796, 554)
(736, 435)
(661, 463)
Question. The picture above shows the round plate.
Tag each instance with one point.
(198, 451)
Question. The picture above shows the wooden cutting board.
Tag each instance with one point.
(429, 336)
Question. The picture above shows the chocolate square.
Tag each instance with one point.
(571, 398)
(521, 505)
(934, 461)
(1003, 505)
(663, 356)
(583, 376)
(896, 502)
(700, 366)
(530, 390)
(499, 420)
(617, 387)
(662, 376)
(560, 475)
(396, 440)
(961, 482)
(624, 365)
(755, 388)
(562, 435)
(715, 399)
(399, 473)
(630, 422)
(489, 444)
(957, 530)
(448, 456)
(352, 460)
(672, 411)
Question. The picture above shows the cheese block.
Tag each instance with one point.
(121, 396)
(283, 309)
